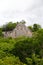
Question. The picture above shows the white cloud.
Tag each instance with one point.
(16, 10)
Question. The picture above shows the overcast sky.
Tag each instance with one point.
(16, 10)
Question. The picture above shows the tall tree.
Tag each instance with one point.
(36, 27)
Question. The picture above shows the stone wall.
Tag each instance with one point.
(20, 30)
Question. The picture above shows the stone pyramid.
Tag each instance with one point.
(20, 30)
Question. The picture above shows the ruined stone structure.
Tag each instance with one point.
(20, 30)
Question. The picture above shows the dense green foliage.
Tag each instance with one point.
(8, 27)
(35, 27)
(22, 50)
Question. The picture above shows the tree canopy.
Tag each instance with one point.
(22, 50)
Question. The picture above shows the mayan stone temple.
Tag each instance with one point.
(20, 30)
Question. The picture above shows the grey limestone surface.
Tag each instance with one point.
(20, 30)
